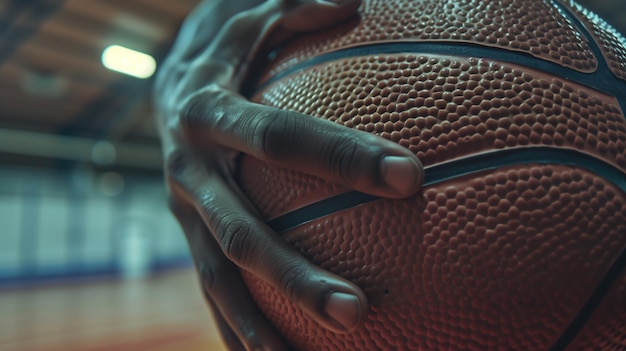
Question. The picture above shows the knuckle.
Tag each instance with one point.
(212, 274)
(235, 238)
(355, 157)
(345, 157)
(291, 279)
(200, 108)
(190, 111)
(209, 206)
(175, 163)
(208, 277)
(272, 133)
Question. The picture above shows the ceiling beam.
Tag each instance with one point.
(37, 12)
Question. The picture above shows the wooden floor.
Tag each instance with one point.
(163, 313)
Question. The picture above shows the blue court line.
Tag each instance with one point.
(82, 271)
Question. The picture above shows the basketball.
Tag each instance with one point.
(516, 108)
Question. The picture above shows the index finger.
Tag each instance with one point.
(359, 160)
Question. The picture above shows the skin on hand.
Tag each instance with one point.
(204, 123)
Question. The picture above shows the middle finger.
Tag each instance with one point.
(239, 318)
(332, 301)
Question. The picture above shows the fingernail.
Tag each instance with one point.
(344, 308)
(401, 173)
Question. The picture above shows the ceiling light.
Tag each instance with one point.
(128, 61)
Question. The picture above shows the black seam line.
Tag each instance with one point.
(595, 299)
(603, 72)
(603, 66)
(617, 268)
(609, 85)
(457, 168)
(484, 162)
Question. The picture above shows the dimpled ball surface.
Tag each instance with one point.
(516, 241)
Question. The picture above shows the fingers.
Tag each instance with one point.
(241, 323)
(240, 34)
(313, 15)
(229, 338)
(332, 301)
(238, 40)
(358, 160)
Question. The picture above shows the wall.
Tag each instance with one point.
(79, 223)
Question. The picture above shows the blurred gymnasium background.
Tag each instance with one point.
(90, 258)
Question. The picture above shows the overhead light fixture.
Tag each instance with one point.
(128, 61)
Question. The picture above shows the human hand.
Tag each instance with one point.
(204, 123)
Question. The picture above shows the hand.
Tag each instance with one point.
(204, 123)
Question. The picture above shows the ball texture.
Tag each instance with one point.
(516, 241)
